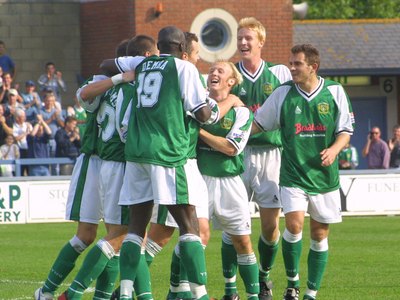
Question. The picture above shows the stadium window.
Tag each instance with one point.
(216, 29)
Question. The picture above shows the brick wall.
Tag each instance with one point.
(105, 23)
(42, 31)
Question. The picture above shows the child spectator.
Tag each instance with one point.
(8, 151)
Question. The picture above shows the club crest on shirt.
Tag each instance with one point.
(323, 108)
(226, 123)
(268, 88)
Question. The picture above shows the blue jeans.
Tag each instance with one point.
(39, 170)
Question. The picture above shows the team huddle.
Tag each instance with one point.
(166, 148)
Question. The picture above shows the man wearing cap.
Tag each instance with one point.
(31, 101)
(12, 105)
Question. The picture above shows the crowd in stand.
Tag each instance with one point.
(33, 123)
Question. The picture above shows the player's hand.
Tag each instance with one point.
(236, 102)
(328, 156)
(128, 76)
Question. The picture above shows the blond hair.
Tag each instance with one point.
(235, 72)
(255, 25)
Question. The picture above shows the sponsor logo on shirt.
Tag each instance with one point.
(254, 107)
(309, 128)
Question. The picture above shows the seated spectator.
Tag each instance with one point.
(68, 143)
(31, 101)
(21, 129)
(348, 157)
(38, 141)
(5, 125)
(53, 117)
(394, 148)
(8, 151)
(1, 77)
(12, 105)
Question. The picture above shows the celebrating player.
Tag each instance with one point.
(316, 121)
(263, 151)
(220, 160)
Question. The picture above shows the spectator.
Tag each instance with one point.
(394, 147)
(376, 150)
(5, 125)
(6, 62)
(38, 141)
(12, 105)
(21, 129)
(31, 101)
(52, 79)
(1, 76)
(8, 151)
(79, 113)
(6, 87)
(348, 157)
(68, 143)
(52, 116)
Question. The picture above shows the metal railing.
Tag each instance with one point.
(35, 161)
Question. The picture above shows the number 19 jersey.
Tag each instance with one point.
(166, 88)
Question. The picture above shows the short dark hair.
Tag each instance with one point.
(70, 119)
(310, 52)
(121, 48)
(171, 40)
(190, 37)
(140, 44)
(50, 63)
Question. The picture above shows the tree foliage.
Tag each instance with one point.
(352, 9)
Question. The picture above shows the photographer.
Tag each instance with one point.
(376, 150)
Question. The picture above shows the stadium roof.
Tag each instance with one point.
(353, 47)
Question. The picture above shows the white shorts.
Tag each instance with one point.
(197, 191)
(93, 191)
(261, 176)
(146, 182)
(111, 178)
(228, 204)
(323, 208)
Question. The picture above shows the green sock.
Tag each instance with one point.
(248, 270)
(105, 283)
(149, 259)
(267, 252)
(192, 256)
(291, 257)
(229, 267)
(93, 265)
(184, 287)
(130, 256)
(142, 282)
(317, 261)
(174, 279)
(62, 266)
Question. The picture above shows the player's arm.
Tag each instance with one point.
(218, 143)
(114, 66)
(92, 90)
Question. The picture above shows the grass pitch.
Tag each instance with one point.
(364, 260)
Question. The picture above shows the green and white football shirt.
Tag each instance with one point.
(235, 126)
(309, 123)
(167, 88)
(254, 91)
